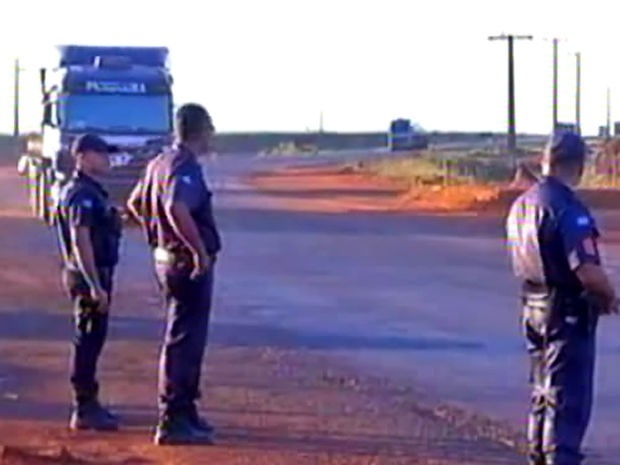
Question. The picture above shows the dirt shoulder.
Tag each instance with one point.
(271, 406)
(342, 189)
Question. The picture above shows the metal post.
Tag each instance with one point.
(555, 84)
(578, 94)
(512, 124)
(512, 130)
(16, 72)
(608, 132)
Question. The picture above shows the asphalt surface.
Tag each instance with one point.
(425, 300)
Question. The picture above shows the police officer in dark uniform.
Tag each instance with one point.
(173, 204)
(553, 242)
(89, 232)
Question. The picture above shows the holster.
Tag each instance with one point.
(553, 307)
(177, 260)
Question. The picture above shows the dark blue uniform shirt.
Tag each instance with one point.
(176, 176)
(83, 202)
(550, 234)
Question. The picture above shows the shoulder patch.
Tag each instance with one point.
(583, 220)
(186, 179)
(87, 203)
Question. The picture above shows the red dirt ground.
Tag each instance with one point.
(299, 189)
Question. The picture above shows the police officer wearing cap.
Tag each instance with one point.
(88, 231)
(553, 243)
(173, 204)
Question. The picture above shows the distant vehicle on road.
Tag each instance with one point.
(123, 94)
(405, 136)
(566, 127)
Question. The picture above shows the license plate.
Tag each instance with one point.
(120, 159)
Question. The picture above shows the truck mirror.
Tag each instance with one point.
(42, 75)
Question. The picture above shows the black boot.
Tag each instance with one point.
(199, 423)
(178, 429)
(92, 416)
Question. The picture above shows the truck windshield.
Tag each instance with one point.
(116, 113)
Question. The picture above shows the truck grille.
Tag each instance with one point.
(121, 179)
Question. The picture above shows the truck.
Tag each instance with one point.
(402, 135)
(122, 94)
(560, 126)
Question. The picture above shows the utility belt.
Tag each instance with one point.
(554, 304)
(180, 260)
(172, 258)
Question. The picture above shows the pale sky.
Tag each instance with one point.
(275, 64)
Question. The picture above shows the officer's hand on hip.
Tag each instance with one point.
(201, 263)
(607, 307)
(614, 307)
(100, 296)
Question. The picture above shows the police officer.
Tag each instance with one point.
(173, 204)
(553, 242)
(89, 232)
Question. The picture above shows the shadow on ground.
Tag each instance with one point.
(36, 325)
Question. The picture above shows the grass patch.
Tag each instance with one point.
(593, 179)
(290, 148)
(446, 167)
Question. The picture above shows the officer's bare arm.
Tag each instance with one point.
(82, 244)
(185, 227)
(134, 203)
(595, 280)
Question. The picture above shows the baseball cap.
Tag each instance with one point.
(92, 143)
(565, 146)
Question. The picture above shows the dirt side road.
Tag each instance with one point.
(277, 395)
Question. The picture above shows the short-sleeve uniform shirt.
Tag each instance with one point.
(176, 176)
(551, 233)
(83, 202)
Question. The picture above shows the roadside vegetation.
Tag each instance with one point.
(488, 167)
(290, 148)
(447, 167)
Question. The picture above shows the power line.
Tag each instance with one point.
(512, 131)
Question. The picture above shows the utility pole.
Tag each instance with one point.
(578, 93)
(16, 72)
(608, 132)
(555, 84)
(613, 157)
(512, 130)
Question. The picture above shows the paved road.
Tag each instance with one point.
(274, 385)
(425, 300)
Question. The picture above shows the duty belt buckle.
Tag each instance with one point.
(537, 300)
(163, 256)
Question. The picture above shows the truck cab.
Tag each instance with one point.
(123, 94)
(402, 136)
